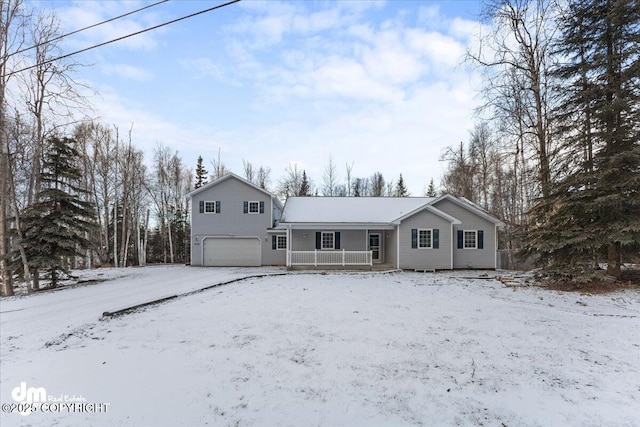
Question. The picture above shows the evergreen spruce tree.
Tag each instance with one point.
(401, 189)
(431, 190)
(56, 223)
(594, 210)
(304, 185)
(201, 174)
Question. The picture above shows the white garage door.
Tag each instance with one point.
(231, 252)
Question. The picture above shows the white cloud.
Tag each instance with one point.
(297, 82)
(439, 49)
(126, 71)
(345, 77)
(82, 14)
(388, 96)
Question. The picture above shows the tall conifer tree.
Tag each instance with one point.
(201, 174)
(57, 222)
(595, 209)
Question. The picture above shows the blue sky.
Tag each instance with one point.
(377, 84)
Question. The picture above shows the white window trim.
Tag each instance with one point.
(278, 238)
(333, 240)
(430, 240)
(257, 205)
(464, 240)
(214, 207)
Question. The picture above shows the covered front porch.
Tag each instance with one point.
(341, 248)
(331, 257)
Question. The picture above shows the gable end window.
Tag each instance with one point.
(253, 207)
(424, 239)
(210, 207)
(470, 239)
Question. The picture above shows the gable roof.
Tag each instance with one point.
(431, 209)
(470, 206)
(231, 175)
(349, 209)
(370, 210)
(361, 210)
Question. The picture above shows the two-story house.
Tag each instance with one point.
(232, 224)
(235, 223)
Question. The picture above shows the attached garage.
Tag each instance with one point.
(231, 252)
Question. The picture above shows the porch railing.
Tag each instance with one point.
(342, 257)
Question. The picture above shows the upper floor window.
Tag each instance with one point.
(210, 206)
(254, 207)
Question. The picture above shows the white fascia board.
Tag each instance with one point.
(469, 207)
(224, 178)
(431, 209)
(337, 225)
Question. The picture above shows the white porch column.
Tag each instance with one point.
(289, 243)
(398, 247)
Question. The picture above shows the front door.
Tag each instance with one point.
(374, 246)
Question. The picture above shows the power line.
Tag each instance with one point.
(122, 38)
(89, 27)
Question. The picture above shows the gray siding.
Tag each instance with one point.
(471, 258)
(272, 256)
(231, 221)
(350, 240)
(391, 243)
(437, 259)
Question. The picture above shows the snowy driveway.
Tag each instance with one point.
(331, 350)
(52, 313)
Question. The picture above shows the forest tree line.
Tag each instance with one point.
(555, 152)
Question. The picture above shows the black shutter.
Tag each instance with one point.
(480, 239)
(201, 206)
(246, 207)
(261, 207)
(460, 239)
(318, 240)
(217, 206)
(274, 242)
(414, 238)
(436, 238)
(337, 235)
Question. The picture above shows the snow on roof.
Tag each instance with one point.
(350, 209)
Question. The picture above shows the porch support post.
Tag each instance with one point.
(398, 247)
(288, 261)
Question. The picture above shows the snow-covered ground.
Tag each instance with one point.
(365, 349)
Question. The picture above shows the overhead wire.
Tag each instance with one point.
(123, 37)
(88, 27)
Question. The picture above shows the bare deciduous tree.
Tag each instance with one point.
(263, 177)
(516, 58)
(219, 169)
(377, 185)
(329, 178)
